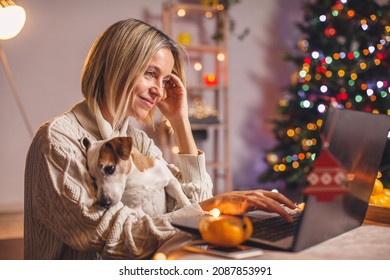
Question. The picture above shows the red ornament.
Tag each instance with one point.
(367, 109)
(342, 96)
(321, 69)
(330, 32)
(327, 179)
(210, 80)
(380, 56)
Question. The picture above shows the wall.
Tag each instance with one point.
(258, 73)
(47, 56)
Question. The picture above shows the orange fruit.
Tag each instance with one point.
(386, 191)
(374, 199)
(225, 231)
(384, 200)
(378, 187)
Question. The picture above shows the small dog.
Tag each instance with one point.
(122, 173)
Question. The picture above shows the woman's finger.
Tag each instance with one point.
(175, 82)
(281, 199)
(270, 205)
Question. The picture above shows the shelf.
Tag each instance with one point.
(205, 88)
(211, 133)
(216, 165)
(192, 7)
(204, 48)
(199, 126)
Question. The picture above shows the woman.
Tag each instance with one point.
(131, 69)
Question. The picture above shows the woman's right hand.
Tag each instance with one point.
(175, 105)
(241, 202)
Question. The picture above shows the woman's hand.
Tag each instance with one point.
(175, 106)
(240, 202)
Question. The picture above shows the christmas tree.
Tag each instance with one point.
(343, 58)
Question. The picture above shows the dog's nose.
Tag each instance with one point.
(105, 202)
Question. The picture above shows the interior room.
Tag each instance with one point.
(237, 85)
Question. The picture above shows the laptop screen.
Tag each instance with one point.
(357, 140)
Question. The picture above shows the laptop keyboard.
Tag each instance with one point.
(275, 228)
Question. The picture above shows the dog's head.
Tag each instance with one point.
(109, 163)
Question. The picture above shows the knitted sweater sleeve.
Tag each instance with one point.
(61, 203)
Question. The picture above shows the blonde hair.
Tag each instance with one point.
(118, 59)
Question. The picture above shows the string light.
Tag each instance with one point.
(358, 98)
(341, 73)
(181, 12)
(321, 108)
(351, 13)
(322, 18)
(208, 14)
(220, 7)
(323, 88)
(221, 57)
(198, 66)
(369, 92)
(315, 54)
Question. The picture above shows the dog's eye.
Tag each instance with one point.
(109, 170)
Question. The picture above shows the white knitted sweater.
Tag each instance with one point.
(62, 218)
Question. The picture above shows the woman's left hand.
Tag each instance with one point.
(175, 106)
(241, 202)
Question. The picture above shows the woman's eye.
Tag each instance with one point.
(109, 170)
(150, 74)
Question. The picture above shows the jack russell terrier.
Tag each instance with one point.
(122, 173)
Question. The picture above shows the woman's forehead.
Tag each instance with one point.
(163, 61)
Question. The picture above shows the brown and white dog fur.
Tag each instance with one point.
(122, 173)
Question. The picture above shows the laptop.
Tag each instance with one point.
(357, 140)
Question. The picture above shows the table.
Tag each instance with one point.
(371, 241)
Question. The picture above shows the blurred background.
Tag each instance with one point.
(47, 56)
(255, 113)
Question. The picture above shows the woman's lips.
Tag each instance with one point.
(149, 103)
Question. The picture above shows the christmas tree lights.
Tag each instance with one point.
(343, 59)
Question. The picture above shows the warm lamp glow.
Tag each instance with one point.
(12, 19)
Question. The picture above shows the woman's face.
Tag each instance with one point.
(150, 88)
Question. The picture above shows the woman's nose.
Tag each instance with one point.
(158, 89)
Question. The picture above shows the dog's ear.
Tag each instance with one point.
(122, 146)
(85, 143)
